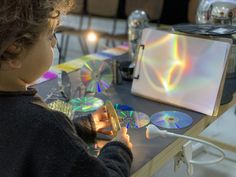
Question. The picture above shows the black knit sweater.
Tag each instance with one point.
(38, 142)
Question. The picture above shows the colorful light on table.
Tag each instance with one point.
(86, 104)
(173, 63)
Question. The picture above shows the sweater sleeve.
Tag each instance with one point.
(85, 128)
(114, 160)
(60, 152)
(117, 157)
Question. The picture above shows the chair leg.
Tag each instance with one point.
(114, 31)
(96, 46)
(113, 43)
(107, 42)
(60, 49)
(66, 47)
(83, 45)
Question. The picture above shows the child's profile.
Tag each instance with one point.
(37, 141)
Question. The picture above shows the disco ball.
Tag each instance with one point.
(137, 21)
(216, 12)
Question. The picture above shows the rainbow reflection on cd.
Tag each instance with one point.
(171, 119)
(86, 104)
(96, 75)
(133, 119)
(123, 107)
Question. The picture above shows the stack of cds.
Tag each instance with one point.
(205, 29)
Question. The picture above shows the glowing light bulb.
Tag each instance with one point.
(92, 37)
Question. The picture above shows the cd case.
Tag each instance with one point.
(183, 71)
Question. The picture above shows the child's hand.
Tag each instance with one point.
(123, 137)
(101, 121)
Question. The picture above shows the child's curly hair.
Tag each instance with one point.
(22, 21)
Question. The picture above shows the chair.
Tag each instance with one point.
(192, 10)
(66, 31)
(152, 7)
(92, 9)
(107, 9)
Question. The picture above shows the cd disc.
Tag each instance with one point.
(86, 104)
(114, 119)
(123, 107)
(171, 119)
(96, 75)
(206, 29)
(133, 119)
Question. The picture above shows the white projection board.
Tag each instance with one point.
(181, 70)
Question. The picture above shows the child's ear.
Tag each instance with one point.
(14, 63)
(10, 64)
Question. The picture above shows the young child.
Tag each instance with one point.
(36, 141)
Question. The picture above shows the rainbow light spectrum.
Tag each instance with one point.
(181, 70)
(173, 62)
(86, 104)
(133, 119)
(96, 75)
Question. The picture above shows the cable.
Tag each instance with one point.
(152, 132)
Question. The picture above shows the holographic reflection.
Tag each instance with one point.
(96, 75)
(86, 104)
(171, 119)
(133, 119)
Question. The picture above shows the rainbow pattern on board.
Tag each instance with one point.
(174, 62)
(185, 71)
